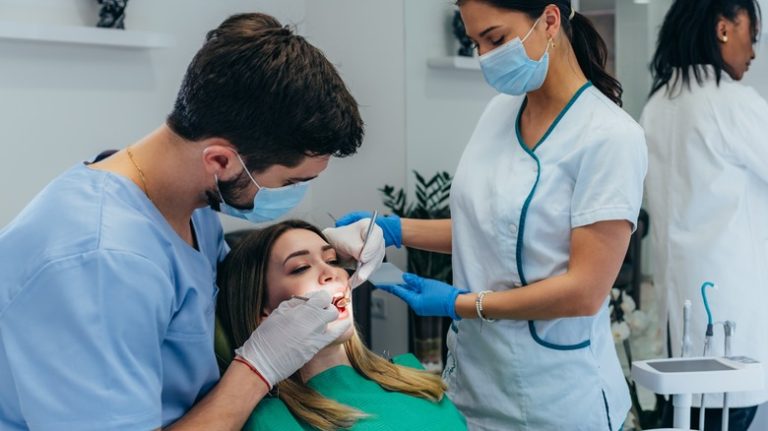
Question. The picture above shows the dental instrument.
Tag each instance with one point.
(707, 342)
(730, 327)
(368, 232)
(685, 349)
(386, 274)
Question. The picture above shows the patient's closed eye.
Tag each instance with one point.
(333, 262)
(299, 270)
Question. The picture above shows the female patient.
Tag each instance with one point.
(345, 386)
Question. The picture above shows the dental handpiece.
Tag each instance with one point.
(685, 345)
(730, 328)
(707, 343)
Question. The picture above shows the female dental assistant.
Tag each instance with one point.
(543, 204)
(708, 183)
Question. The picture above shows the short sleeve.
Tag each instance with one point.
(609, 179)
(83, 340)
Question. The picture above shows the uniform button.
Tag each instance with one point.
(513, 228)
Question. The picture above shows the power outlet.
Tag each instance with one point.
(378, 308)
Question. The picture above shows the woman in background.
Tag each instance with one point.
(707, 184)
(345, 386)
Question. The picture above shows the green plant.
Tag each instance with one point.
(431, 203)
(427, 333)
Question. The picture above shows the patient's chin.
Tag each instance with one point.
(346, 336)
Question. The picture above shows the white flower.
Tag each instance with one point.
(610, 310)
(615, 293)
(627, 304)
(638, 320)
(632, 421)
(620, 331)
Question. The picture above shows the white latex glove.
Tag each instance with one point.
(292, 335)
(348, 242)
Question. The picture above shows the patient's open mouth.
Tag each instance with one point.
(340, 302)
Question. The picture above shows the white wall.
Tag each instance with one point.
(61, 104)
(442, 106)
(758, 73)
(633, 53)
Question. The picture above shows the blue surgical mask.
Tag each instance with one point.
(269, 203)
(509, 70)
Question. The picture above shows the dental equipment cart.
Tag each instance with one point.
(683, 377)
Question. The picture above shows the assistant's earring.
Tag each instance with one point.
(724, 39)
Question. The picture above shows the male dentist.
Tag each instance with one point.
(107, 278)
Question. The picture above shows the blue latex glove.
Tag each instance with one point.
(427, 297)
(390, 224)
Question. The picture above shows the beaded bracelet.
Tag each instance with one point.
(479, 306)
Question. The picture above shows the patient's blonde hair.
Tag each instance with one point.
(242, 280)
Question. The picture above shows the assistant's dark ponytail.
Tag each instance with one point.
(592, 54)
(589, 47)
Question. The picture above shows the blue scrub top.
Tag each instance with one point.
(106, 314)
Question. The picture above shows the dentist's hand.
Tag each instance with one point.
(348, 242)
(292, 335)
(390, 225)
(427, 297)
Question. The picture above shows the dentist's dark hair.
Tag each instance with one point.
(269, 92)
(688, 41)
(589, 47)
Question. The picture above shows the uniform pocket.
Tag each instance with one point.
(194, 317)
(561, 334)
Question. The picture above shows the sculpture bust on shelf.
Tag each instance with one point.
(112, 14)
(467, 49)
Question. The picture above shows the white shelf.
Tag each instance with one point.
(454, 62)
(598, 13)
(83, 35)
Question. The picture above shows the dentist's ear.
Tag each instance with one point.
(220, 158)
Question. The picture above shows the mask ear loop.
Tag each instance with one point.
(531, 30)
(218, 190)
(247, 172)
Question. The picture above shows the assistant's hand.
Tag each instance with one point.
(292, 335)
(348, 242)
(390, 225)
(427, 297)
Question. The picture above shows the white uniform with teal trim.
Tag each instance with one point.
(513, 210)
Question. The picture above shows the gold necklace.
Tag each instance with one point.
(141, 174)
